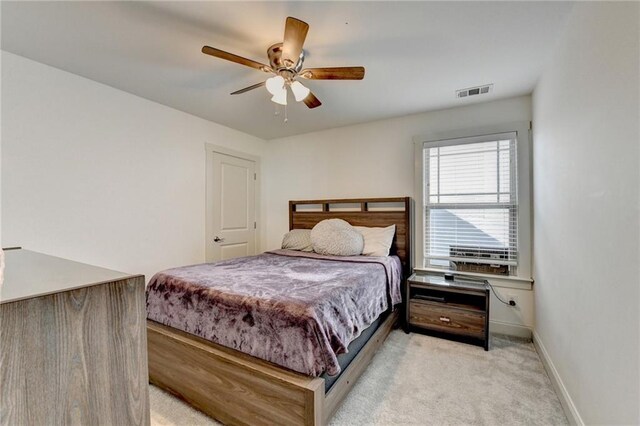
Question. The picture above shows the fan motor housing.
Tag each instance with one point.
(274, 53)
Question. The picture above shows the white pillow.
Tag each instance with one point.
(377, 241)
(297, 239)
(336, 237)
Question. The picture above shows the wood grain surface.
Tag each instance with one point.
(334, 73)
(239, 389)
(231, 386)
(311, 101)
(76, 357)
(399, 216)
(295, 32)
(447, 319)
(208, 50)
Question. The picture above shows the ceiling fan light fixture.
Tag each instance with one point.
(299, 91)
(286, 61)
(275, 85)
(280, 97)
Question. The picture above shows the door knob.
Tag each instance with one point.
(218, 240)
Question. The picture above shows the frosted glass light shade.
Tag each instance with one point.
(275, 84)
(280, 97)
(299, 91)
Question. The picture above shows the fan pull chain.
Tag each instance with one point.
(277, 112)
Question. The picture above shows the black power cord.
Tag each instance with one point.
(509, 303)
(451, 277)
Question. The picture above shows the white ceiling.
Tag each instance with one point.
(416, 54)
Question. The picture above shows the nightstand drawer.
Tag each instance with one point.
(447, 319)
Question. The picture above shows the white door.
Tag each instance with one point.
(231, 216)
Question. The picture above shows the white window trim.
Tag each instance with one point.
(523, 135)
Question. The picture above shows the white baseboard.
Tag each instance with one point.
(568, 406)
(509, 329)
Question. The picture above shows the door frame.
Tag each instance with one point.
(210, 149)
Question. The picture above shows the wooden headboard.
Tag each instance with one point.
(372, 212)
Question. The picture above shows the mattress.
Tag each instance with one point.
(298, 310)
(344, 359)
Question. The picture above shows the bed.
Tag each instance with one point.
(301, 374)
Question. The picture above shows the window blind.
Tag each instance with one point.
(471, 202)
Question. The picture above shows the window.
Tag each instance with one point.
(471, 204)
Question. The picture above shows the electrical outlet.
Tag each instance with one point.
(512, 300)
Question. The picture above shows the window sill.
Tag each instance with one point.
(496, 280)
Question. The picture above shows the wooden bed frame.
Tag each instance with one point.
(236, 388)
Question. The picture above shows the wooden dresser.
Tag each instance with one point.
(448, 308)
(73, 343)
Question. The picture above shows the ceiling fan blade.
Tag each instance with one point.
(311, 101)
(246, 89)
(337, 73)
(295, 31)
(208, 50)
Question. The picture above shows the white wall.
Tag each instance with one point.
(377, 160)
(98, 175)
(586, 213)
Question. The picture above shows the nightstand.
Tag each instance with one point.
(457, 309)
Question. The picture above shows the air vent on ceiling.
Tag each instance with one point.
(472, 91)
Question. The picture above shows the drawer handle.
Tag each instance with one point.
(445, 319)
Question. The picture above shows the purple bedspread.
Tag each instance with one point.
(298, 310)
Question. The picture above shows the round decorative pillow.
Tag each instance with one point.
(336, 237)
(297, 239)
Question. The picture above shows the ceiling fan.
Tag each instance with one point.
(285, 61)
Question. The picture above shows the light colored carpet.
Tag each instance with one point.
(416, 379)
